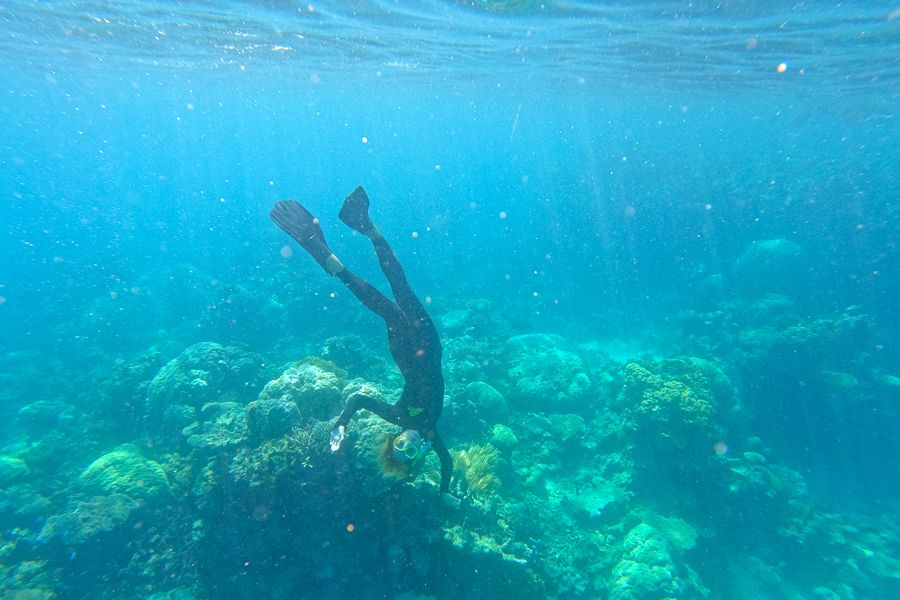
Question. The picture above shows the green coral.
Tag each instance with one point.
(645, 570)
(672, 413)
(125, 470)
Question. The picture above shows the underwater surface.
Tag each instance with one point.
(658, 242)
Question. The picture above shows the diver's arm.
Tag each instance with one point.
(358, 401)
(355, 402)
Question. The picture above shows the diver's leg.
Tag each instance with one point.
(355, 214)
(371, 298)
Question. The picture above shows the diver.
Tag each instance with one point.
(412, 338)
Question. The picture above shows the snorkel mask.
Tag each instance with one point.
(409, 446)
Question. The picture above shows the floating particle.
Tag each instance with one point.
(781, 68)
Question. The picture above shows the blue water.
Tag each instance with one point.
(603, 173)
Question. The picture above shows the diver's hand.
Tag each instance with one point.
(337, 436)
(450, 500)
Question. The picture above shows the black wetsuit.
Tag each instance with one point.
(416, 347)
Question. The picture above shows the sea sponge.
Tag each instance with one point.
(126, 471)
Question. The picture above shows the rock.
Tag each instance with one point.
(545, 378)
(489, 405)
(777, 266)
(44, 416)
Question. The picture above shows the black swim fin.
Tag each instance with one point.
(355, 212)
(303, 227)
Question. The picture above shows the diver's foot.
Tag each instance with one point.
(304, 228)
(355, 213)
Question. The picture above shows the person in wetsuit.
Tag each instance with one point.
(412, 337)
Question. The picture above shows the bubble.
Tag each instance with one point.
(365, 140)
(502, 214)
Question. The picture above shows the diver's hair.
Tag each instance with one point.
(391, 466)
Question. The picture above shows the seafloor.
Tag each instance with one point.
(203, 471)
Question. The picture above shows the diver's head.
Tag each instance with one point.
(408, 446)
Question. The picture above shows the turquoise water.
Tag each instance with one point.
(659, 242)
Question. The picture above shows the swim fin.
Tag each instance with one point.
(355, 212)
(303, 227)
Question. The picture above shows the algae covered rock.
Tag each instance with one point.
(545, 378)
(315, 390)
(12, 469)
(222, 425)
(89, 519)
(126, 471)
(271, 417)
(203, 373)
